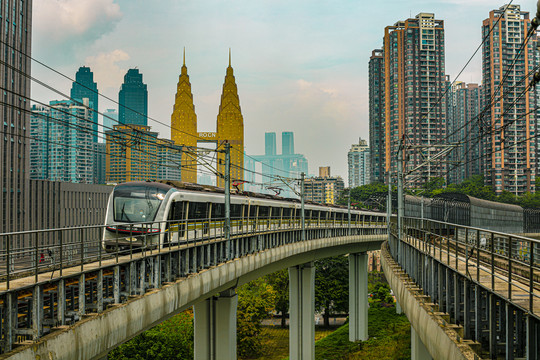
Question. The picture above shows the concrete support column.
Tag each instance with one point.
(418, 349)
(215, 327)
(302, 312)
(358, 297)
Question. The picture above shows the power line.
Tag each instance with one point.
(88, 131)
(99, 94)
(104, 115)
(131, 126)
(461, 71)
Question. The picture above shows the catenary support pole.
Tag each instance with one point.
(349, 210)
(227, 230)
(302, 212)
(400, 198)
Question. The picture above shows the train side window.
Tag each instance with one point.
(178, 210)
(286, 213)
(252, 211)
(218, 211)
(198, 210)
(236, 211)
(264, 211)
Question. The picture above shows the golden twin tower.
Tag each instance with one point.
(230, 127)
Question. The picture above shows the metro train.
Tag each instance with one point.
(158, 214)
(466, 210)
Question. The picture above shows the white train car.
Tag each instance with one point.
(160, 214)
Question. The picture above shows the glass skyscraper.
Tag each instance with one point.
(287, 143)
(133, 100)
(270, 143)
(85, 87)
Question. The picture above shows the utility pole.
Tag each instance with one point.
(400, 196)
(227, 229)
(349, 210)
(389, 206)
(302, 176)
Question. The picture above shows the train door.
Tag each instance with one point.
(217, 219)
(253, 213)
(263, 216)
(176, 225)
(198, 216)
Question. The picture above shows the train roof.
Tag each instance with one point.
(169, 184)
(478, 202)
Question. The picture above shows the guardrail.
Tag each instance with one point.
(34, 303)
(486, 282)
(37, 251)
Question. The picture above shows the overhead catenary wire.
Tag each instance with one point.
(130, 126)
(108, 98)
(497, 91)
(186, 149)
(87, 130)
(493, 98)
(100, 94)
(461, 71)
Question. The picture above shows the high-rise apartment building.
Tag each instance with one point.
(85, 87)
(377, 135)
(133, 99)
(15, 54)
(506, 128)
(62, 147)
(270, 143)
(323, 189)
(287, 143)
(40, 127)
(135, 153)
(169, 160)
(359, 164)
(414, 83)
(463, 109)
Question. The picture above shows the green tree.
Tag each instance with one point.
(529, 200)
(507, 197)
(280, 283)
(255, 302)
(331, 286)
(172, 339)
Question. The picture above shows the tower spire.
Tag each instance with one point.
(184, 56)
(229, 57)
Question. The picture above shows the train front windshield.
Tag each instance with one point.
(135, 203)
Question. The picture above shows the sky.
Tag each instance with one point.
(300, 65)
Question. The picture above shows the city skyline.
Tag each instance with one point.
(311, 80)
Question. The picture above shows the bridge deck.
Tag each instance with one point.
(493, 278)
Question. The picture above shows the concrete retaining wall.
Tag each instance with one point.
(442, 343)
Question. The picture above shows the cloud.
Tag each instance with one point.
(107, 72)
(63, 25)
(323, 101)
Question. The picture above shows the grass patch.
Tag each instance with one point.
(276, 341)
(389, 338)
